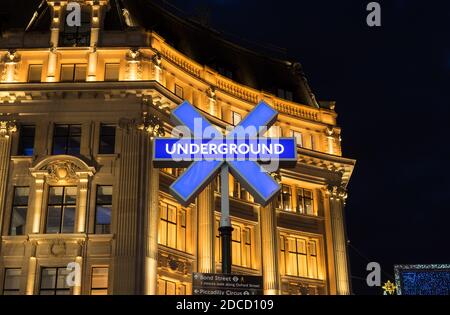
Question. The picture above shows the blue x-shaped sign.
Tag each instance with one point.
(241, 154)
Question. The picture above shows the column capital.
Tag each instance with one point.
(7, 127)
(337, 192)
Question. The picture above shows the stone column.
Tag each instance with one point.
(269, 241)
(10, 61)
(152, 221)
(205, 232)
(82, 202)
(337, 196)
(37, 205)
(125, 219)
(31, 274)
(95, 28)
(6, 129)
(56, 9)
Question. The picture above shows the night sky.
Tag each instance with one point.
(392, 88)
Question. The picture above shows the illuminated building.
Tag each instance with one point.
(79, 107)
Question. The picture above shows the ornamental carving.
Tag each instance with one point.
(58, 248)
(7, 128)
(62, 169)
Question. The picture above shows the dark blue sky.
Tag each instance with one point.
(392, 87)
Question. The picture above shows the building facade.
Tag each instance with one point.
(79, 108)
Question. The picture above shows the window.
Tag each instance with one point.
(298, 137)
(66, 139)
(19, 211)
(236, 118)
(53, 281)
(298, 256)
(168, 287)
(312, 141)
(305, 203)
(172, 231)
(274, 131)
(34, 73)
(241, 245)
(26, 140)
(107, 139)
(99, 281)
(178, 91)
(73, 72)
(112, 71)
(286, 94)
(11, 283)
(76, 36)
(103, 209)
(61, 209)
(238, 191)
(285, 198)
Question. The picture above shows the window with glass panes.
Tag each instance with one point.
(103, 209)
(66, 139)
(179, 91)
(73, 72)
(305, 202)
(241, 245)
(19, 211)
(285, 198)
(112, 71)
(26, 140)
(99, 281)
(61, 209)
(236, 118)
(168, 287)
(172, 228)
(76, 36)
(298, 137)
(298, 257)
(11, 282)
(107, 139)
(53, 281)
(34, 73)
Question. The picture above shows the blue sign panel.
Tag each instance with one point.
(205, 148)
(422, 279)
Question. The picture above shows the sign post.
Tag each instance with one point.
(241, 152)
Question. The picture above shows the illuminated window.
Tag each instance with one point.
(305, 202)
(298, 137)
(11, 283)
(34, 73)
(285, 198)
(168, 287)
(107, 139)
(312, 142)
(172, 228)
(61, 209)
(99, 281)
(179, 91)
(298, 256)
(112, 71)
(53, 281)
(26, 140)
(236, 118)
(66, 139)
(19, 211)
(103, 209)
(73, 72)
(241, 245)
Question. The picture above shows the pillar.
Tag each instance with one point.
(54, 39)
(82, 203)
(269, 241)
(6, 129)
(337, 196)
(152, 221)
(37, 205)
(206, 233)
(125, 225)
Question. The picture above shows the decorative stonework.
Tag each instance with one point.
(62, 169)
(337, 192)
(134, 69)
(10, 61)
(7, 128)
(174, 264)
(58, 248)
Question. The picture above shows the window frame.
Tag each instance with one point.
(301, 201)
(20, 147)
(166, 225)
(29, 71)
(97, 204)
(178, 88)
(17, 291)
(67, 149)
(55, 289)
(14, 205)
(118, 71)
(91, 288)
(74, 71)
(101, 136)
(62, 207)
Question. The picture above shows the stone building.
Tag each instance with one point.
(79, 108)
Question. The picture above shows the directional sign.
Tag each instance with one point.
(243, 149)
(226, 284)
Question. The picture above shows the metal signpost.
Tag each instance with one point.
(208, 152)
